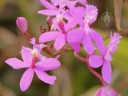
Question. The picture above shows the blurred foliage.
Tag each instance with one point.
(73, 78)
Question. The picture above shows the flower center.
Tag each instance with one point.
(59, 18)
(35, 53)
(60, 22)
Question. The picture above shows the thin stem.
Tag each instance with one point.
(90, 68)
(27, 35)
(96, 74)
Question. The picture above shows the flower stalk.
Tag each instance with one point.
(91, 69)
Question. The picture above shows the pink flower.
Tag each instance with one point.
(35, 52)
(53, 10)
(22, 24)
(60, 36)
(104, 60)
(106, 91)
(30, 62)
(88, 35)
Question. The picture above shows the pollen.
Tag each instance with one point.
(59, 18)
(35, 53)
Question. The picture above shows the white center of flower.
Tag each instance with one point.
(35, 53)
(59, 18)
(86, 19)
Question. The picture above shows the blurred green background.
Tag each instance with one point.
(73, 77)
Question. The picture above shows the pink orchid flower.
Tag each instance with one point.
(30, 63)
(104, 60)
(53, 10)
(60, 36)
(88, 34)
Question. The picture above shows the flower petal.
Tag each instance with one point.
(91, 14)
(71, 4)
(48, 64)
(88, 44)
(75, 46)
(49, 36)
(106, 72)
(75, 14)
(47, 4)
(81, 10)
(97, 38)
(48, 12)
(95, 61)
(26, 79)
(45, 77)
(15, 63)
(60, 42)
(26, 55)
(71, 24)
(98, 93)
(75, 35)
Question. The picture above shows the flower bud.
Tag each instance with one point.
(22, 24)
(106, 91)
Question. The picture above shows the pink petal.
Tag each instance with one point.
(98, 93)
(75, 35)
(26, 55)
(48, 12)
(60, 42)
(15, 63)
(81, 10)
(77, 17)
(97, 38)
(106, 72)
(91, 14)
(67, 15)
(71, 24)
(88, 44)
(95, 61)
(75, 46)
(26, 79)
(49, 36)
(45, 77)
(71, 4)
(47, 4)
(48, 64)
(105, 92)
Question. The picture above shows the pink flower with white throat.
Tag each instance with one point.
(30, 57)
(104, 60)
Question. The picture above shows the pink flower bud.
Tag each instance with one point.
(22, 24)
(106, 91)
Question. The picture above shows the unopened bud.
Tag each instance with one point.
(22, 24)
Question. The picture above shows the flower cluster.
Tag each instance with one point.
(74, 28)
(71, 25)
